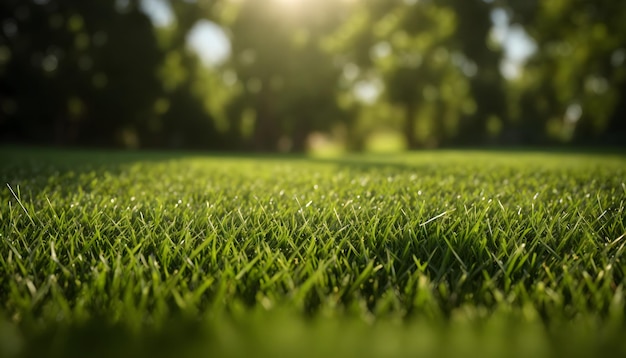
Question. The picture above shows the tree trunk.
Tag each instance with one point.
(300, 136)
(409, 125)
(265, 133)
(616, 129)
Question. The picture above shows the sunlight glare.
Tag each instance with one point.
(289, 3)
(300, 3)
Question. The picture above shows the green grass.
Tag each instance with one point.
(435, 253)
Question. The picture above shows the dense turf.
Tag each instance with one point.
(438, 252)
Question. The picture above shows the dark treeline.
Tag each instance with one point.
(301, 73)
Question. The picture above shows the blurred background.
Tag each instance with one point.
(312, 75)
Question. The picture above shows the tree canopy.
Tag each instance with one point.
(301, 72)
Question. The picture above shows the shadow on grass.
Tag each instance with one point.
(35, 166)
(72, 158)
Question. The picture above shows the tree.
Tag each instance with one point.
(287, 81)
(481, 64)
(577, 77)
(434, 62)
(79, 72)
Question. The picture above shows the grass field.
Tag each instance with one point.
(447, 253)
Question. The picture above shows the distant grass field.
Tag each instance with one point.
(447, 253)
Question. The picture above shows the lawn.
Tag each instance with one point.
(438, 253)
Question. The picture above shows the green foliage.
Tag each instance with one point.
(286, 76)
(99, 73)
(482, 251)
(579, 63)
(435, 65)
(72, 65)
